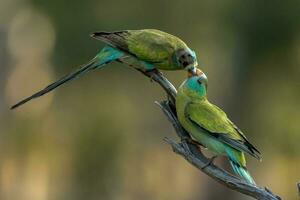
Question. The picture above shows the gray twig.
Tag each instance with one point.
(192, 152)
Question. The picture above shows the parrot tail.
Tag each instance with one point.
(105, 56)
(242, 172)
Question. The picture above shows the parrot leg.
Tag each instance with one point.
(151, 73)
(209, 162)
(191, 141)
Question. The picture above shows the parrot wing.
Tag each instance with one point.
(149, 45)
(214, 121)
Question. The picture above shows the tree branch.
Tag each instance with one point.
(157, 76)
(193, 154)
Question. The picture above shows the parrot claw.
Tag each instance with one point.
(152, 73)
(188, 140)
(210, 161)
(191, 141)
(151, 78)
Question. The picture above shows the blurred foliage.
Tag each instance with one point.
(100, 137)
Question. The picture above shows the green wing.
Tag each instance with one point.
(149, 44)
(214, 121)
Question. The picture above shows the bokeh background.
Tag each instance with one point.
(101, 137)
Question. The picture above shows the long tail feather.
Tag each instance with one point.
(106, 55)
(242, 172)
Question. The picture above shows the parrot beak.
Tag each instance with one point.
(194, 72)
(191, 70)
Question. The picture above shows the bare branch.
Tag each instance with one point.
(193, 154)
(157, 76)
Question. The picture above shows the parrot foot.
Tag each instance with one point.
(152, 74)
(191, 141)
(151, 78)
(210, 161)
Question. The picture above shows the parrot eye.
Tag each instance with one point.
(199, 81)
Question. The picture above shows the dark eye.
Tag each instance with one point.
(199, 81)
(185, 63)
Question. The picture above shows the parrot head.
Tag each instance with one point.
(195, 86)
(186, 59)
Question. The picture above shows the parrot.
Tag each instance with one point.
(145, 50)
(210, 127)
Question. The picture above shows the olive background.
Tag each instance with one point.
(101, 136)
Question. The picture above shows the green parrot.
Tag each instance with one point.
(209, 126)
(146, 50)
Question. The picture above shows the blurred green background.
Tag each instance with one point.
(100, 137)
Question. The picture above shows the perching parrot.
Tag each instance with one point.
(209, 126)
(146, 50)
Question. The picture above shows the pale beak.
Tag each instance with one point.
(194, 72)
